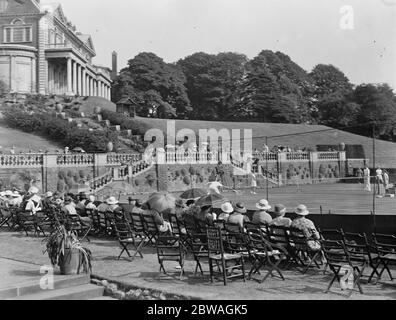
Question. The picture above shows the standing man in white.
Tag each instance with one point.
(366, 175)
(379, 179)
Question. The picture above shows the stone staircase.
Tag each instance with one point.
(76, 287)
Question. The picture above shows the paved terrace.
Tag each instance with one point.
(21, 258)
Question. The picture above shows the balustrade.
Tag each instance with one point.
(75, 159)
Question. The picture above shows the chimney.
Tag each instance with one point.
(114, 71)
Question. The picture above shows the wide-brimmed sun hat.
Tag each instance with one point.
(279, 210)
(179, 203)
(49, 194)
(111, 201)
(263, 205)
(240, 208)
(16, 194)
(33, 190)
(302, 210)
(227, 207)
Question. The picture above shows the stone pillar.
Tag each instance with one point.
(74, 77)
(69, 76)
(84, 82)
(79, 80)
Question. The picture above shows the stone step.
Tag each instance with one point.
(82, 292)
(32, 287)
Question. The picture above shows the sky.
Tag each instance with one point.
(357, 36)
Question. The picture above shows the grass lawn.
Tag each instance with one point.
(23, 141)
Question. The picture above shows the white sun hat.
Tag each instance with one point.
(33, 190)
(302, 210)
(263, 205)
(227, 207)
(111, 201)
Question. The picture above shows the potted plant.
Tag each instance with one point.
(65, 250)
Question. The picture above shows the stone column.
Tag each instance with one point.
(74, 77)
(79, 77)
(84, 82)
(69, 76)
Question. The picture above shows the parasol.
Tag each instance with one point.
(161, 202)
(193, 194)
(211, 200)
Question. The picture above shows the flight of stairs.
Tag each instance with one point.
(76, 287)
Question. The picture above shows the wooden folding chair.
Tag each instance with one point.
(265, 254)
(217, 255)
(360, 250)
(75, 224)
(125, 236)
(301, 250)
(151, 230)
(338, 259)
(170, 249)
(5, 217)
(385, 247)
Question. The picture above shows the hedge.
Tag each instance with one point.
(118, 119)
(59, 130)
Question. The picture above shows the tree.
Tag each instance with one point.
(331, 97)
(212, 82)
(272, 90)
(328, 79)
(336, 111)
(378, 107)
(158, 87)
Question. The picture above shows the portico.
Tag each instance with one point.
(70, 75)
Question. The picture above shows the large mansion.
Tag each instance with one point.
(41, 52)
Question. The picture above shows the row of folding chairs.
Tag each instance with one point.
(358, 252)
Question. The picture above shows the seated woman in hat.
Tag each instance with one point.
(280, 220)
(306, 226)
(34, 203)
(239, 216)
(226, 210)
(262, 216)
(205, 216)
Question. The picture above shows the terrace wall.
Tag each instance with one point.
(171, 171)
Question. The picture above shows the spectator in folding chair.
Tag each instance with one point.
(180, 211)
(81, 205)
(262, 216)
(280, 220)
(16, 200)
(307, 227)
(7, 198)
(69, 208)
(48, 200)
(34, 204)
(204, 215)
(163, 226)
(91, 203)
(226, 210)
(239, 216)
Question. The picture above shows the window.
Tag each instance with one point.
(18, 32)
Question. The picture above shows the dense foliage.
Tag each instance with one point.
(59, 130)
(268, 88)
(137, 127)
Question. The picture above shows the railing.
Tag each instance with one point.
(119, 159)
(75, 159)
(28, 160)
(328, 155)
(295, 156)
(101, 181)
(266, 156)
(191, 157)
